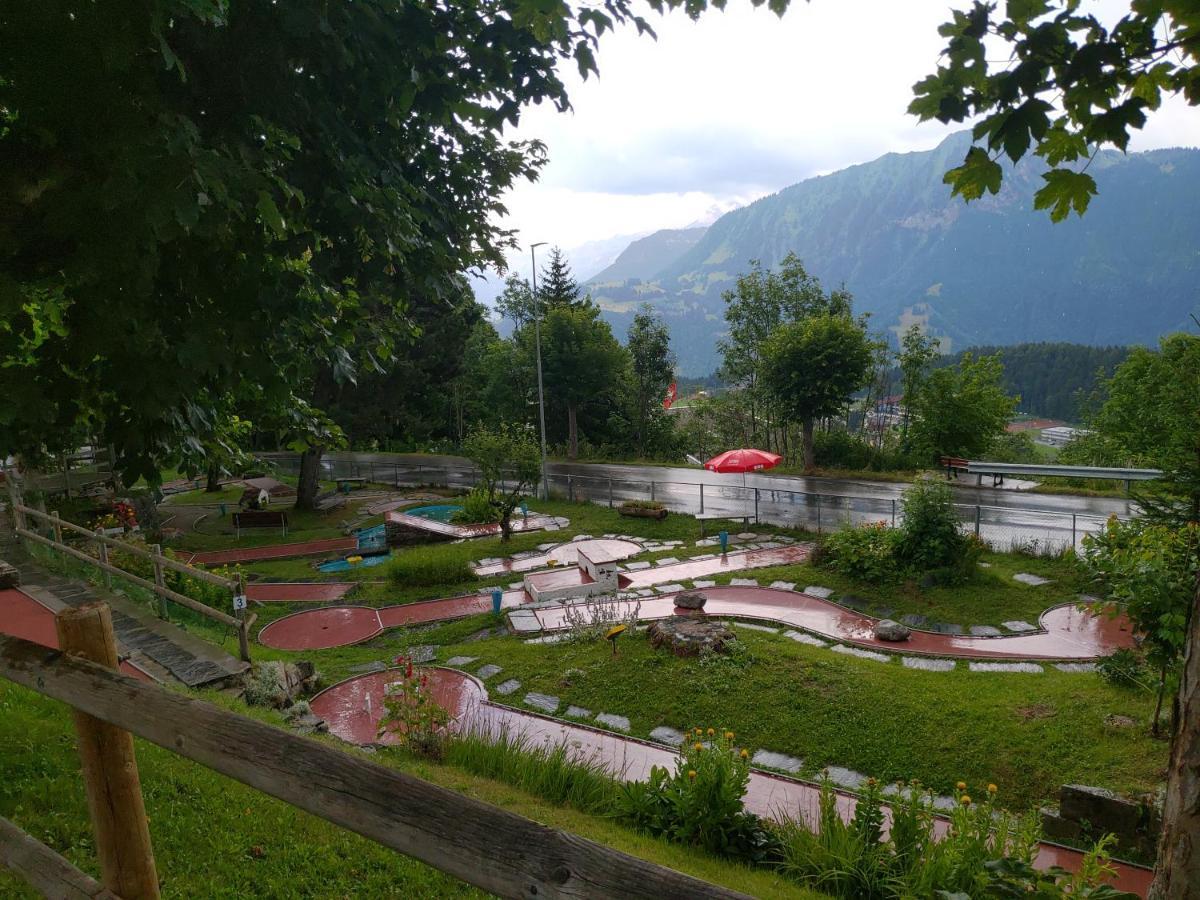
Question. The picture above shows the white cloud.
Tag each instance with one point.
(718, 112)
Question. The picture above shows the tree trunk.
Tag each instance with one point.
(310, 478)
(1177, 871)
(572, 433)
(810, 456)
(506, 527)
(214, 479)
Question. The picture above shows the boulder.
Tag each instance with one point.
(690, 636)
(690, 600)
(887, 630)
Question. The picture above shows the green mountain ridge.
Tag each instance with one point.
(991, 272)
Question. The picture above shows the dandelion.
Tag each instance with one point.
(992, 789)
(965, 800)
(871, 782)
(697, 746)
(711, 732)
(692, 774)
(729, 735)
(699, 731)
(745, 754)
(962, 785)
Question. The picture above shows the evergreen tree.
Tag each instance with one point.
(556, 285)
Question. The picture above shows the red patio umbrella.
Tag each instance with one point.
(744, 459)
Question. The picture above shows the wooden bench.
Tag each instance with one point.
(259, 518)
(953, 465)
(709, 517)
(345, 484)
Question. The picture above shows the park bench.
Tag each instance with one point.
(345, 484)
(708, 517)
(953, 465)
(256, 518)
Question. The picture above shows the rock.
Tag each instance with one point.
(888, 630)
(279, 684)
(690, 600)
(689, 636)
(9, 576)
(1117, 721)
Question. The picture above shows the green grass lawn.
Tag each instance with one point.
(214, 837)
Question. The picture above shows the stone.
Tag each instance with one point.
(743, 582)
(374, 666)
(914, 620)
(768, 759)
(1025, 667)
(487, 671)
(578, 712)
(508, 687)
(1135, 822)
(1030, 579)
(1019, 627)
(620, 723)
(279, 684)
(689, 636)
(9, 576)
(926, 664)
(703, 583)
(1116, 721)
(888, 630)
(884, 612)
(783, 585)
(1075, 668)
(985, 631)
(746, 536)
(946, 628)
(853, 602)
(544, 702)
(423, 654)
(666, 561)
(460, 661)
(860, 653)
(755, 627)
(846, 778)
(667, 735)
(637, 566)
(524, 620)
(690, 600)
(803, 637)
(550, 638)
(672, 588)
(582, 537)
(545, 547)
(707, 542)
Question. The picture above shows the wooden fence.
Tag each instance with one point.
(481, 844)
(239, 622)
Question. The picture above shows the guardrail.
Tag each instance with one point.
(483, 845)
(982, 467)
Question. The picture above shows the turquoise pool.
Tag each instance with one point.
(439, 513)
(375, 539)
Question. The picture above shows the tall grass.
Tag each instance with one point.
(428, 567)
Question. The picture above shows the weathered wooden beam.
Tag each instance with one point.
(44, 870)
(481, 844)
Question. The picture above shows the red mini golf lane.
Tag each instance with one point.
(274, 551)
(353, 709)
(298, 591)
(336, 626)
(23, 617)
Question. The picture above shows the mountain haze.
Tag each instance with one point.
(991, 272)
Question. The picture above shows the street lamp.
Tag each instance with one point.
(537, 337)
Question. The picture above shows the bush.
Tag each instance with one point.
(867, 552)
(1126, 668)
(642, 504)
(477, 509)
(929, 535)
(701, 803)
(427, 567)
(842, 450)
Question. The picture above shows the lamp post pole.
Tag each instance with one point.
(537, 337)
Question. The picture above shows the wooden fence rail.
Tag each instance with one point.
(44, 870)
(481, 844)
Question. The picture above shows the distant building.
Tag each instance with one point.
(1060, 435)
(887, 412)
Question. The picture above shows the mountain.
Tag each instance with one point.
(645, 258)
(991, 272)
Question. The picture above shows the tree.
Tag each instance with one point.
(652, 365)
(1044, 75)
(510, 466)
(917, 351)
(515, 302)
(811, 367)
(557, 286)
(961, 410)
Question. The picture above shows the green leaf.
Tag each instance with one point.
(1061, 144)
(1064, 191)
(1023, 11)
(978, 173)
(269, 214)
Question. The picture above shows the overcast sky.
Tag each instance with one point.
(718, 112)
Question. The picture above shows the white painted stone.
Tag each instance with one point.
(670, 588)
(985, 631)
(928, 665)
(746, 536)
(702, 556)
(768, 759)
(769, 545)
(620, 723)
(524, 621)
(784, 585)
(666, 561)
(645, 592)
(754, 627)
(803, 637)
(636, 566)
(545, 547)
(945, 804)
(1026, 667)
(817, 591)
(578, 712)
(1075, 667)
(555, 638)
(743, 582)
(487, 671)
(704, 583)
(582, 537)
(860, 653)
(1019, 626)
(508, 687)
(544, 702)
(846, 778)
(1030, 579)
(515, 585)
(461, 660)
(707, 542)
(667, 735)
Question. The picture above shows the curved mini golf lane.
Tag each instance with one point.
(353, 709)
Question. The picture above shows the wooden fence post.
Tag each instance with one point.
(160, 581)
(244, 621)
(110, 772)
(58, 538)
(103, 553)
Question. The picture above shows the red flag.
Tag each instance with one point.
(671, 395)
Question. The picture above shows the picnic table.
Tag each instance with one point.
(260, 518)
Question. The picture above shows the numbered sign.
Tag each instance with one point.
(239, 603)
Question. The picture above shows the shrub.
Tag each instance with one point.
(701, 803)
(867, 552)
(411, 714)
(1126, 668)
(642, 504)
(477, 509)
(427, 567)
(929, 534)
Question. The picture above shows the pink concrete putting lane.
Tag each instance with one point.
(563, 555)
(298, 591)
(354, 708)
(274, 551)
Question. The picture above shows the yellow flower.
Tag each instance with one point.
(964, 800)
(745, 754)
(711, 732)
(699, 731)
(992, 789)
(872, 782)
(697, 746)
(962, 785)
(729, 735)
(691, 773)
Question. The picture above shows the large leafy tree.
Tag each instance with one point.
(1051, 78)
(510, 466)
(651, 366)
(812, 367)
(918, 350)
(961, 410)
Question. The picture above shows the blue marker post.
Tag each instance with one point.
(497, 596)
(525, 509)
(724, 536)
